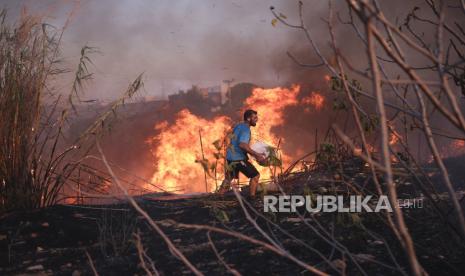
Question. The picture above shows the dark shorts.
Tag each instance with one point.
(243, 166)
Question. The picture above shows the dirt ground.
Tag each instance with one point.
(55, 240)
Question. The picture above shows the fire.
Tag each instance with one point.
(270, 105)
(177, 146)
(315, 99)
(393, 137)
(358, 150)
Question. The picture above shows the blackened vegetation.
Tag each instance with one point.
(56, 239)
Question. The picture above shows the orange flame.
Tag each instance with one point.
(358, 150)
(394, 136)
(177, 146)
(393, 140)
(315, 99)
(270, 105)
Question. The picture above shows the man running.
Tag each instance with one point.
(236, 155)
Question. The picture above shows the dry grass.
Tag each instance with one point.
(35, 163)
(26, 57)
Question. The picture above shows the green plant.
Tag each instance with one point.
(273, 158)
(336, 84)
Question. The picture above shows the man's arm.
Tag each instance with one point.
(244, 139)
(246, 147)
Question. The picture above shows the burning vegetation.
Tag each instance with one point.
(190, 138)
(177, 147)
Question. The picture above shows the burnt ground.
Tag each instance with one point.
(55, 240)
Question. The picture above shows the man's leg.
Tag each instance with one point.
(251, 172)
(230, 174)
(253, 185)
(225, 186)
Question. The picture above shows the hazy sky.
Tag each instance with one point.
(176, 43)
(185, 42)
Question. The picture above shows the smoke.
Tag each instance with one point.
(176, 44)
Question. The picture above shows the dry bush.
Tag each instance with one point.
(419, 64)
(27, 57)
(35, 162)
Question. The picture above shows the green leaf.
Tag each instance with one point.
(221, 215)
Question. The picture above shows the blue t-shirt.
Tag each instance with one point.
(241, 134)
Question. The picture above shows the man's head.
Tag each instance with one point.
(250, 116)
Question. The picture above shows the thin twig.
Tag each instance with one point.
(91, 264)
(146, 216)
